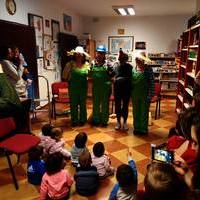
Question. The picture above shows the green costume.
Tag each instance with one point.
(140, 101)
(101, 93)
(78, 93)
(10, 105)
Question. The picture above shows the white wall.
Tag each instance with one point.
(198, 5)
(159, 32)
(49, 9)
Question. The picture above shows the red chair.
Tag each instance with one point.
(157, 100)
(14, 143)
(59, 95)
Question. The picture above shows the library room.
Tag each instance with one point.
(100, 100)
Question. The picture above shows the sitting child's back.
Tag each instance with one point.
(36, 166)
(87, 178)
(101, 161)
(126, 188)
(56, 182)
(78, 147)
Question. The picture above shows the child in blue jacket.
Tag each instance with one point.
(126, 175)
(36, 166)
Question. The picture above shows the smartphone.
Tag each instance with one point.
(160, 154)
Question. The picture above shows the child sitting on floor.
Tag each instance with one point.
(56, 182)
(46, 140)
(101, 161)
(58, 146)
(127, 176)
(36, 166)
(87, 178)
(78, 147)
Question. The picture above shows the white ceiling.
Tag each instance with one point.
(103, 8)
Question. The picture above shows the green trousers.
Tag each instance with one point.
(78, 105)
(140, 114)
(101, 95)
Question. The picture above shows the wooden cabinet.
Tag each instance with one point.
(188, 68)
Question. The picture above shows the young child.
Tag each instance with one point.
(101, 161)
(36, 166)
(46, 140)
(78, 147)
(56, 182)
(58, 146)
(162, 182)
(127, 178)
(87, 178)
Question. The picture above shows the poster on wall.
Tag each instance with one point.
(48, 52)
(40, 65)
(47, 27)
(51, 57)
(117, 42)
(67, 20)
(55, 27)
(37, 22)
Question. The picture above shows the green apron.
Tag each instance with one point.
(101, 94)
(78, 94)
(140, 101)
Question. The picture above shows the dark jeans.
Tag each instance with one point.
(122, 92)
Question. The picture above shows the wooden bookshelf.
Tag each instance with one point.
(165, 72)
(189, 67)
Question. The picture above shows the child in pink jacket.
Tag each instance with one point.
(56, 182)
(58, 145)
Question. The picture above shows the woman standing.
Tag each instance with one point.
(76, 72)
(142, 93)
(122, 89)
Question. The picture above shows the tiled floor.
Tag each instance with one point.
(116, 144)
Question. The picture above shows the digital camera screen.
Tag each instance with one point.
(163, 155)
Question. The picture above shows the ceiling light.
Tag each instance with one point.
(131, 11)
(124, 10)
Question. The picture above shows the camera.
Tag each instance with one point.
(160, 154)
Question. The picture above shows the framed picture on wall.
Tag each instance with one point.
(37, 22)
(48, 53)
(140, 45)
(67, 21)
(40, 65)
(117, 42)
(47, 27)
(55, 27)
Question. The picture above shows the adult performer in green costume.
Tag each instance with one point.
(142, 93)
(101, 73)
(76, 72)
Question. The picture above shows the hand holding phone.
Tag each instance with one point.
(161, 155)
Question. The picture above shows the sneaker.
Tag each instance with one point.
(125, 127)
(118, 126)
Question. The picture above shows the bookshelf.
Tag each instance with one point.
(188, 67)
(165, 71)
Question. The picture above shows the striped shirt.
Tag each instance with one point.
(102, 164)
